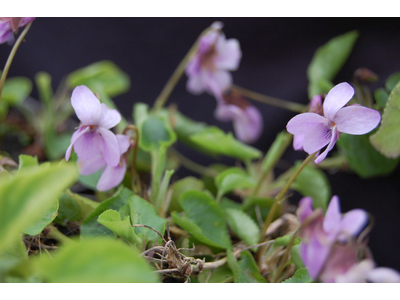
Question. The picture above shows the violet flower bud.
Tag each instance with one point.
(9, 25)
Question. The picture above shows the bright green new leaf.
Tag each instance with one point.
(154, 130)
(26, 161)
(25, 197)
(181, 186)
(295, 256)
(313, 183)
(104, 73)
(245, 270)
(327, 62)
(216, 141)
(207, 215)
(90, 227)
(300, 276)
(96, 260)
(15, 90)
(123, 228)
(243, 226)
(47, 217)
(363, 158)
(147, 216)
(231, 179)
(283, 241)
(386, 139)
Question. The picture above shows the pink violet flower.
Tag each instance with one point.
(9, 25)
(319, 233)
(111, 176)
(93, 137)
(247, 119)
(215, 57)
(315, 107)
(322, 130)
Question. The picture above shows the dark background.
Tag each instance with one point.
(276, 53)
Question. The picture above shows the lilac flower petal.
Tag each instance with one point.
(110, 147)
(334, 138)
(305, 208)
(332, 215)
(109, 117)
(76, 135)
(89, 145)
(15, 23)
(303, 123)
(316, 138)
(5, 31)
(298, 140)
(249, 126)
(87, 167)
(26, 21)
(195, 84)
(226, 112)
(356, 274)
(357, 119)
(111, 177)
(337, 97)
(223, 79)
(87, 107)
(317, 253)
(352, 223)
(384, 275)
(229, 54)
(123, 143)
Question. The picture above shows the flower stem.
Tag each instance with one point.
(173, 80)
(288, 105)
(11, 56)
(285, 257)
(57, 235)
(277, 201)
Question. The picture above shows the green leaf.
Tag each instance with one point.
(26, 161)
(96, 260)
(283, 241)
(149, 217)
(161, 196)
(205, 219)
(90, 227)
(313, 183)
(295, 256)
(86, 205)
(262, 205)
(219, 275)
(43, 83)
(104, 73)
(300, 276)
(216, 141)
(392, 81)
(386, 140)
(245, 270)
(55, 144)
(69, 210)
(243, 226)
(181, 186)
(327, 62)
(123, 228)
(16, 90)
(47, 217)
(90, 181)
(363, 158)
(381, 97)
(154, 130)
(231, 179)
(25, 197)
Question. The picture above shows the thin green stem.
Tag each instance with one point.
(193, 166)
(285, 257)
(57, 235)
(288, 105)
(277, 201)
(173, 80)
(11, 56)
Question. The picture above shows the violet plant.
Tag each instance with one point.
(97, 200)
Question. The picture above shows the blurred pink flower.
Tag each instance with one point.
(215, 57)
(319, 233)
(247, 119)
(320, 131)
(93, 137)
(8, 25)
